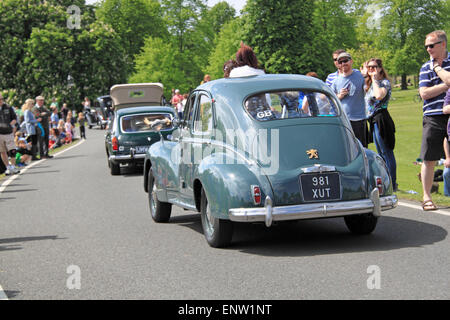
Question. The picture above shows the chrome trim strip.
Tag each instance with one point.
(315, 210)
(127, 157)
(318, 168)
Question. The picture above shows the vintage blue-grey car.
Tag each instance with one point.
(265, 149)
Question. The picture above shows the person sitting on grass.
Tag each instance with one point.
(23, 155)
(54, 141)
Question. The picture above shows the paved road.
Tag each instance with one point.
(70, 230)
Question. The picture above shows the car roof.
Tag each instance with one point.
(244, 86)
(104, 97)
(145, 109)
(124, 95)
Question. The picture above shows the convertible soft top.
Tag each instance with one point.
(132, 94)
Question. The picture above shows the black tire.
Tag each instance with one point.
(361, 224)
(218, 232)
(160, 211)
(115, 168)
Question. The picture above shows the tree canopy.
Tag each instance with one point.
(67, 49)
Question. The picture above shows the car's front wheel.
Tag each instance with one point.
(218, 232)
(362, 223)
(160, 211)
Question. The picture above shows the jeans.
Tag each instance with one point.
(386, 153)
(446, 176)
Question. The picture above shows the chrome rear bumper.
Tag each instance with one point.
(126, 157)
(375, 204)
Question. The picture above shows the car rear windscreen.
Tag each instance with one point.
(143, 122)
(278, 105)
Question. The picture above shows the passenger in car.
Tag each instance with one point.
(246, 63)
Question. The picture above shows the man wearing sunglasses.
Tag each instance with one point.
(332, 76)
(349, 88)
(432, 90)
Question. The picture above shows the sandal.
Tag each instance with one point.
(428, 205)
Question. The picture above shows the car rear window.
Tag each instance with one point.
(143, 122)
(278, 105)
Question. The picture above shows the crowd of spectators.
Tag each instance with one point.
(28, 133)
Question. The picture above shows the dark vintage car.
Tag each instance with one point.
(266, 149)
(103, 108)
(137, 107)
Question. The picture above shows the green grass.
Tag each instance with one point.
(407, 116)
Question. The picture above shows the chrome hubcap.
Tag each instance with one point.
(153, 199)
(209, 219)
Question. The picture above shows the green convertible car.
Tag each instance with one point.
(137, 107)
(265, 149)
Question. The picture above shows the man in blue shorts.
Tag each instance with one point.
(433, 90)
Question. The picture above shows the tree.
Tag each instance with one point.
(282, 35)
(133, 21)
(334, 28)
(43, 50)
(160, 61)
(182, 17)
(404, 25)
(227, 43)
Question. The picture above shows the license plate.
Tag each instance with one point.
(141, 149)
(321, 186)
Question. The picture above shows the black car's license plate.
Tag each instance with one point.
(141, 149)
(321, 186)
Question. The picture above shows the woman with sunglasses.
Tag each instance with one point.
(382, 128)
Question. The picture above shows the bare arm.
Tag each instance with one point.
(447, 153)
(378, 92)
(431, 92)
(443, 74)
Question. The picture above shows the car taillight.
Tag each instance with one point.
(379, 184)
(115, 143)
(256, 193)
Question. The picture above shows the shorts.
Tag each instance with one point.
(433, 135)
(7, 142)
(361, 131)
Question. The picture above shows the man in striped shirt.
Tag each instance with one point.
(432, 90)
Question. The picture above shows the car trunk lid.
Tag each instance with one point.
(309, 150)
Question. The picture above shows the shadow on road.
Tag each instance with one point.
(40, 172)
(68, 157)
(18, 190)
(11, 293)
(315, 237)
(15, 243)
(322, 237)
(191, 221)
(7, 198)
(18, 184)
(131, 171)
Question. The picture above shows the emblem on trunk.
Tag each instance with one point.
(312, 153)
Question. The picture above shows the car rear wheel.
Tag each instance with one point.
(218, 232)
(114, 167)
(361, 224)
(160, 210)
